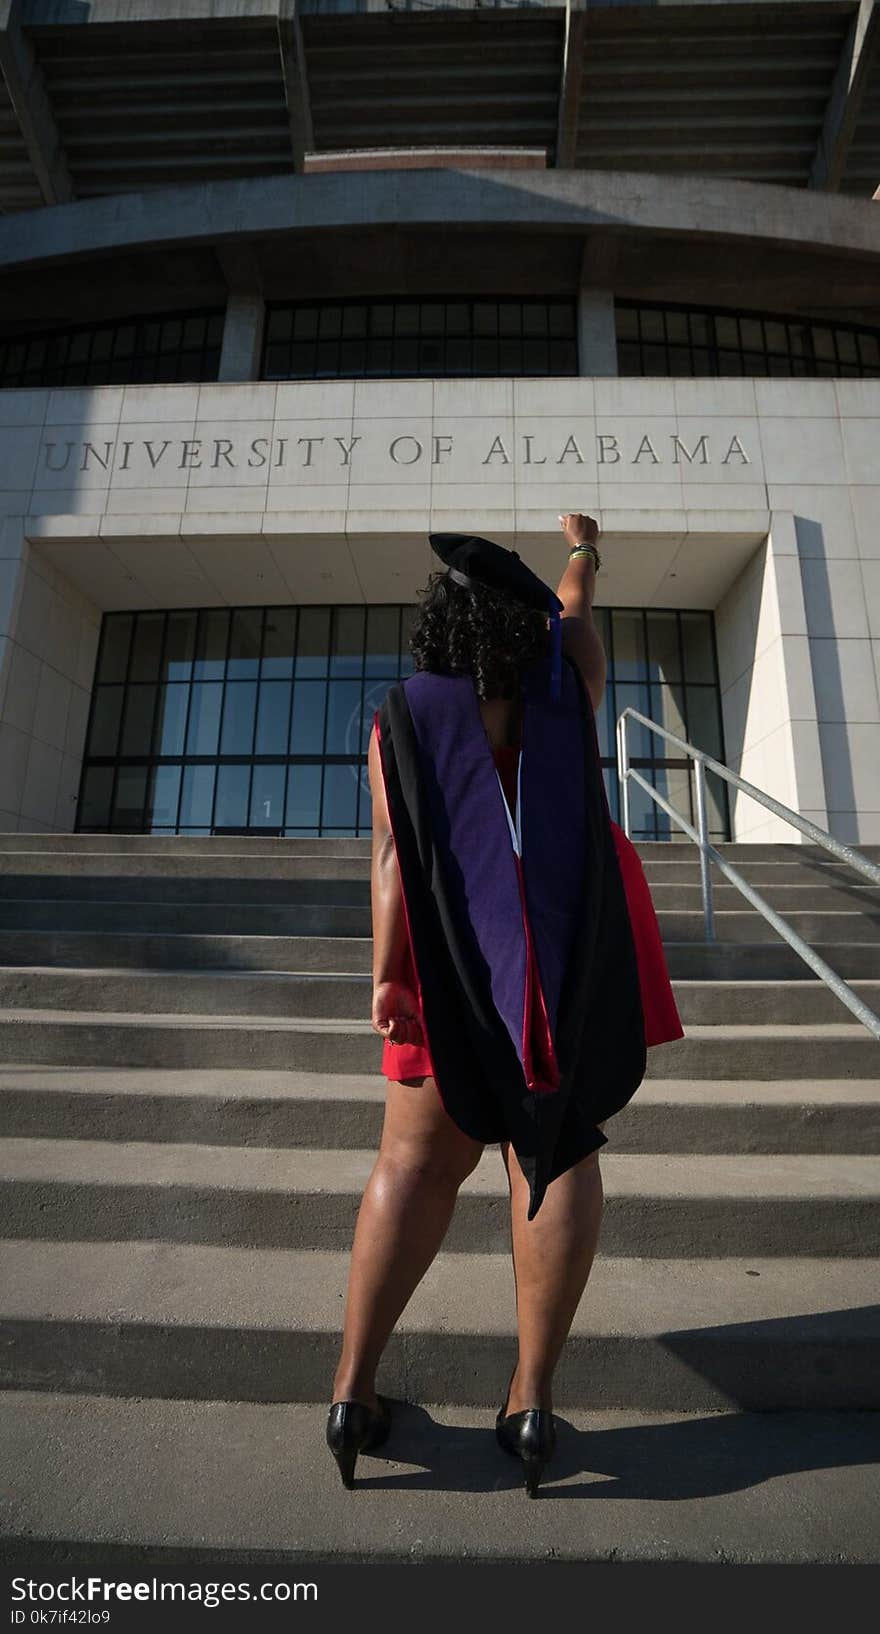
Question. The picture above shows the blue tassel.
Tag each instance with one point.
(555, 653)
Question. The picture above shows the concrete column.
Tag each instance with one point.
(242, 337)
(48, 643)
(768, 700)
(597, 342)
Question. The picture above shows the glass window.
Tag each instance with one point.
(197, 796)
(482, 336)
(211, 639)
(383, 641)
(347, 654)
(630, 662)
(93, 810)
(180, 642)
(137, 720)
(129, 798)
(340, 797)
(303, 811)
(115, 643)
(307, 725)
(147, 647)
(203, 731)
(101, 354)
(239, 710)
(739, 343)
(163, 794)
(267, 797)
(231, 801)
(106, 718)
(343, 717)
(273, 718)
(279, 641)
(245, 634)
(699, 656)
(171, 719)
(289, 751)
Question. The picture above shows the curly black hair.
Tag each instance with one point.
(485, 633)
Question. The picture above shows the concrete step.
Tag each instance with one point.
(254, 1108)
(137, 950)
(283, 994)
(312, 891)
(226, 1483)
(315, 1044)
(207, 865)
(179, 1320)
(252, 845)
(322, 920)
(656, 1206)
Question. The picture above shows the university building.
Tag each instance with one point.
(284, 287)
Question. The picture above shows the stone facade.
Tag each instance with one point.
(757, 498)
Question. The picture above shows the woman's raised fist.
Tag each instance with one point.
(579, 529)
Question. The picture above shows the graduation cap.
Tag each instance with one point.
(473, 562)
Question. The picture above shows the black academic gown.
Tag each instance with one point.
(466, 914)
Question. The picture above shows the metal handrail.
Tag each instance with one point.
(709, 854)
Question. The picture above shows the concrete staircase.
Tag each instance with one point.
(191, 1100)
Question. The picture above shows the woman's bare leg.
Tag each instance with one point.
(552, 1258)
(404, 1215)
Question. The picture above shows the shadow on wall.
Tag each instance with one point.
(828, 688)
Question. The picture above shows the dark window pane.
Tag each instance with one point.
(382, 641)
(307, 727)
(340, 797)
(94, 805)
(244, 643)
(171, 719)
(106, 716)
(115, 644)
(343, 717)
(237, 732)
(231, 804)
(147, 647)
(630, 663)
(180, 641)
(313, 641)
(196, 796)
(273, 718)
(267, 797)
(663, 648)
(211, 641)
(704, 725)
(163, 793)
(279, 637)
(696, 635)
(303, 797)
(131, 793)
(137, 720)
(204, 719)
(631, 696)
(346, 657)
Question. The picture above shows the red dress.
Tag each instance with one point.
(662, 1021)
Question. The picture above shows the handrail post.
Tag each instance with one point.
(705, 865)
(623, 774)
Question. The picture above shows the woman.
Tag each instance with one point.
(516, 987)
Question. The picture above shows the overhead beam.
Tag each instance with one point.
(570, 84)
(32, 108)
(847, 94)
(294, 72)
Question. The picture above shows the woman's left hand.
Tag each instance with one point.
(396, 1014)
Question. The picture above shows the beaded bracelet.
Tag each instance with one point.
(586, 550)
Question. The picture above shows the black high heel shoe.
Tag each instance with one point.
(353, 1427)
(529, 1435)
